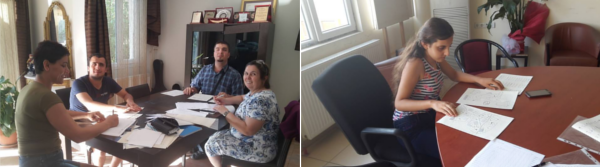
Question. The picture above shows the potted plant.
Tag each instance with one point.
(8, 99)
(512, 10)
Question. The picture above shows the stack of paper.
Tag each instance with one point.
(489, 98)
(173, 93)
(590, 127)
(198, 120)
(514, 82)
(124, 123)
(499, 153)
(477, 122)
(201, 97)
(200, 106)
(162, 142)
(178, 111)
(144, 137)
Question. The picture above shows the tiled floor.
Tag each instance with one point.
(335, 150)
(9, 157)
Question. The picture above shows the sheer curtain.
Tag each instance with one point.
(133, 59)
(9, 60)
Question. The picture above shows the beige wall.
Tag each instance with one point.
(368, 32)
(581, 11)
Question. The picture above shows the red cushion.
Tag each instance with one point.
(476, 57)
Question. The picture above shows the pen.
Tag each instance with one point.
(540, 165)
(113, 113)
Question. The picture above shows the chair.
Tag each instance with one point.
(386, 68)
(138, 91)
(283, 146)
(474, 56)
(65, 95)
(572, 44)
(360, 101)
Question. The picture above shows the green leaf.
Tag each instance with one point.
(2, 79)
(489, 26)
(511, 6)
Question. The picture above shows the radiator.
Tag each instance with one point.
(459, 20)
(315, 119)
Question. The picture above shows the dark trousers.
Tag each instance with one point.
(420, 129)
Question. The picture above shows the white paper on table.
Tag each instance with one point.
(187, 112)
(143, 137)
(514, 82)
(200, 97)
(590, 127)
(477, 122)
(183, 123)
(173, 93)
(124, 123)
(499, 153)
(200, 106)
(207, 122)
(166, 142)
(489, 98)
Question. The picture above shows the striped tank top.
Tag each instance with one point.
(428, 88)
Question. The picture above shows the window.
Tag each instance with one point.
(117, 15)
(322, 20)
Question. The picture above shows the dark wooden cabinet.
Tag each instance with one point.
(247, 42)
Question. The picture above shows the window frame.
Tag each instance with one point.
(316, 34)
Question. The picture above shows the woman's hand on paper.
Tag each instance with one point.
(95, 116)
(490, 83)
(444, 107)
(221, 109)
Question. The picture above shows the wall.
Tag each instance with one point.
(285, 70)
(368, 32)
(581, 11)
(75, 10)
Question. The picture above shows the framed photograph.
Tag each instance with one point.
(209, 14)
(243, 17)
(262, 13)
(250, 5)
(226, 12)
(196, 17)
(218, 20)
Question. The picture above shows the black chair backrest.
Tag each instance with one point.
(476, 55)
(138, 91)
(65, 95)
(176, 87)
(159, 85)
(357, 96)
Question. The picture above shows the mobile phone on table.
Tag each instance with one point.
(538, 93)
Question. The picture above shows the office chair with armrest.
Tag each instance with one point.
(474, 56)
(138, 91)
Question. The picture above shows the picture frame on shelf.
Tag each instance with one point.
(243, 17)
(225, 12)
(250, 5)
(209, 14)
(262, 13)
(196, 17)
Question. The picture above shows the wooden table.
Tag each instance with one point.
(524, 55)
(156, 104)
(537, 122)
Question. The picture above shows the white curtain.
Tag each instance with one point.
(133, 62)
(9, 60)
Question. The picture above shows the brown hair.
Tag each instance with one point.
(48, 50)
(263, 68)
(434, 29)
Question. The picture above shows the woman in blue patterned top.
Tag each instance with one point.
(420, 73)
(254, 126)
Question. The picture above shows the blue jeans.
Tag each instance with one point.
(50, 160)
(420, 129)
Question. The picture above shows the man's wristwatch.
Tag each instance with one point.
(225, 113)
